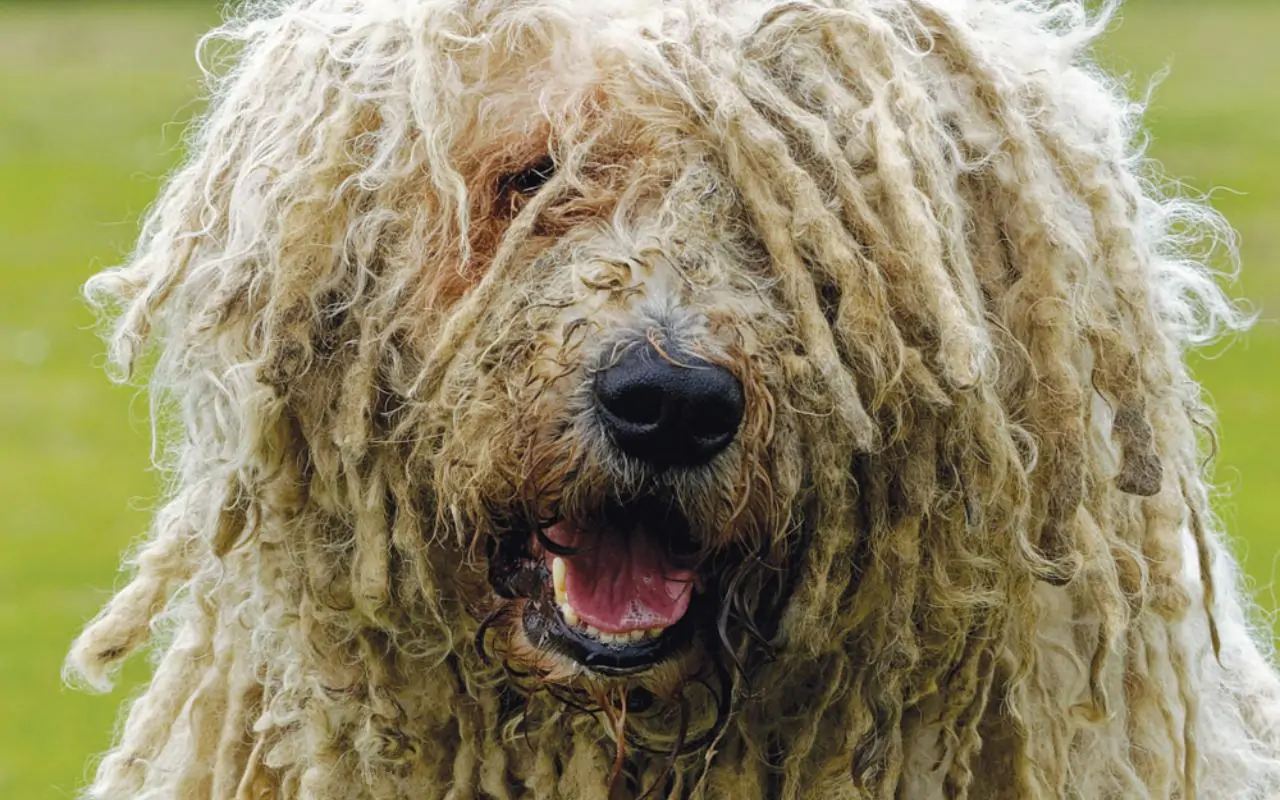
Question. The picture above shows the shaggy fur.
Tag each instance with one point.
(961, 546)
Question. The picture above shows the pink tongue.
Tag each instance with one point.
(620, 582)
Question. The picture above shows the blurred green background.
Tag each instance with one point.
(93, 97)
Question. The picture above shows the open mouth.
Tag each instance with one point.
(617, 593)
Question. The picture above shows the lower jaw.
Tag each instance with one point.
(547, 630)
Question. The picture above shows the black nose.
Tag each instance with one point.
(672, 410)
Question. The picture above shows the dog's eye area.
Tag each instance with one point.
(529, 180)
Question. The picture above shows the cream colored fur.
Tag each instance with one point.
(962, 543)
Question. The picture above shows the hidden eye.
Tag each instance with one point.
(529, 180)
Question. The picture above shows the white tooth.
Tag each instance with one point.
(593, 631)
(608, 638)
(566, 611)
(637, 635)
(557, 579)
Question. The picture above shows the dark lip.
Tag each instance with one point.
(547, 629)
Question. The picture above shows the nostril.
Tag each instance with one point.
(638, 404)
(712, 419)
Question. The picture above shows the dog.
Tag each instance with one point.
(751, 399)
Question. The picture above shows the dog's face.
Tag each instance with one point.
(614, 332)
(622, 405)
(622, 413)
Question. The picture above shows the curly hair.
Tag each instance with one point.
(961, 547)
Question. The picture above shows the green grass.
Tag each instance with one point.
(88, 92)
(92, 98)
